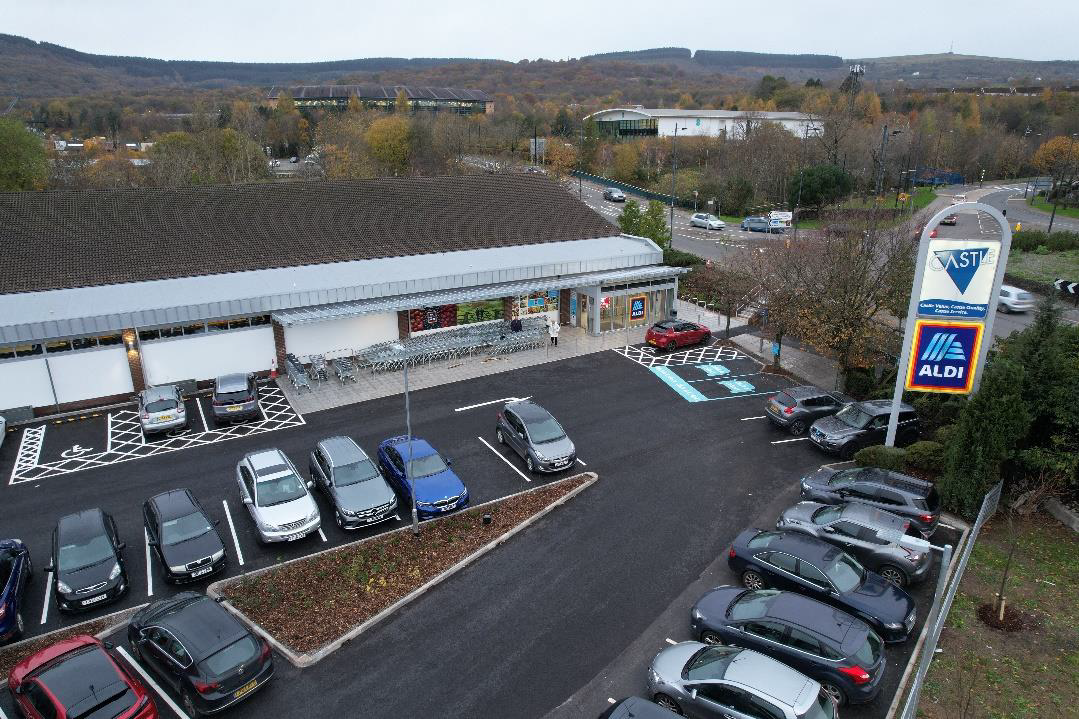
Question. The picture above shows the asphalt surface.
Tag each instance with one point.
(538, 622)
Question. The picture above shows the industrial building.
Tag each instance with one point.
(376, 97)
(652, 122)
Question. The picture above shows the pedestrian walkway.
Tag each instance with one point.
(795, 358)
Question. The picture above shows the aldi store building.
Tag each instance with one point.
(103, 293)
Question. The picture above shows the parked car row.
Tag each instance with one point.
(234, 398)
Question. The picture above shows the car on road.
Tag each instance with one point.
(913, 499)
(182, 537)
(15, 572)
(407, 463)
(799, 563)
(707, 221)
(956, 199)
(702, 680)
(235, 398)
(202, 652)
(672, 334)
(78, 678)
(862, 424)
(161, 409)
(87, 562)
(613, 194)
(294, 159)
(276, 496)
(755, 224)
(828, 645)
(952, 219)
(878, 539)
(637, 708)
(933, 233)
(796, 408)
(1014, 299)
(360, 495)
(534, 434)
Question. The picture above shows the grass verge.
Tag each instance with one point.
(1044, 268)
(346, 586)
(1040, 204)
(985, 672)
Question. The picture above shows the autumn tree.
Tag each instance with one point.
(401, 104)
(23, 164)
(561, 157)
(626, 158)
(1059, 158)
(388, 143)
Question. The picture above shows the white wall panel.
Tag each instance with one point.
(90, 374)
(340, 337)
(206, 356)
(24, 383)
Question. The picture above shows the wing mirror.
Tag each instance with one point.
(152, 542)
(50, 567)
(217, 522)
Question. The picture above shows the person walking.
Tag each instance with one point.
(552, 330)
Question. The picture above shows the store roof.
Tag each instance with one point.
(724, 114)
(377, 92)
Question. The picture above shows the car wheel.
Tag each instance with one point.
(834, 692)
(498, 435)
(189, 706)
(668, 703)
(710, 637)
(670, 346)
(707, 338)
(893, 574)
(1003, 308)
(529, 464)
(797, 428)
(753, 580)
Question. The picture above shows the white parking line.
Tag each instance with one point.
(198, 403)
(48, 596)
(610, 700)
(232, 528)
(108, 434)
(671, 641)
(320, 534)
(763, 416)
(582, 462)
(165, 697)
(494, 401)
(796, 439)
(508, 463)
(149, 569)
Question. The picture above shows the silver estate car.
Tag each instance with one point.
(705, 681)
(279, 501)
(360, 495)
(707, 221)
(161, 409)
(532, 432)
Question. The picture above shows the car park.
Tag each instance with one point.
(796, 408)
(15, 572)
(952, 219)
(87, 563)
(613, 194)
(797, 562)
(1014, 299)
(196, 647)
(672, 334)
(707, 221)
(861, 425)
(360, 495)
(78, 678)
(878, 539)
(828, 645)
(235, 398)
(409, 463)
(637, 708)
(182, 537)
(913, 499)
(161, 409)
(534, 434)
(276, 497)
(702, 680)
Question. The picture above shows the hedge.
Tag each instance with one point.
(926, 456)
(1031, 240)
(881, 456)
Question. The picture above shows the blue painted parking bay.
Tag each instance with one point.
(719, 380)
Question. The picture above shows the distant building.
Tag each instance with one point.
(421, 99)
(641, 121)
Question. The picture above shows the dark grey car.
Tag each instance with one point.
(796, 408)
(861, 425)
(532, 432)
(235, 398)
(877, 538)
(360, 495)
(911, 498)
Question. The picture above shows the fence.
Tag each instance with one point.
(946, 589)
(633, 189)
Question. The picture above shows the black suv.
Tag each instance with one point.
(862, 424)
(911, 498)
(795, 408)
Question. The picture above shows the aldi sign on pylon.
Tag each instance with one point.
(944, 356)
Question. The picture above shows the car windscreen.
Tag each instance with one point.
(869, 653)
(764, 539)
(845, 573)
(160, 405)
(241, 651)
(711, 218)
(710, 663)
(545, 430)
(826, 515)
(752, 604)
(278, 490)
(853, 416)
(844, 477)
(354, 473)
(85, 553)
(425, 466)
(181, 529)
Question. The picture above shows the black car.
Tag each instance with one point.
(182, 536)
(810, 566)
(838, 650)
(796, 408)
(637, 708)
(862, 424)
(201, 651)
(913, 499)
(87, 562)
(15, 571)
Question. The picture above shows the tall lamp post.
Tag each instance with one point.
(674, 173)
(408, 430)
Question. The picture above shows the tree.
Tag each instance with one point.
(561, 157)
(629, 221)
(401, 104)
(769, 86)
(22, 158)
(354, 104)
(563, 124)
(818, 186)
(388, 142)
(626, 160)
(1059, 158)
(654, 224)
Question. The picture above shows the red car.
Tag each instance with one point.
(670, 334)
(78, 678)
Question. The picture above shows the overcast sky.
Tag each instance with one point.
(309, 30)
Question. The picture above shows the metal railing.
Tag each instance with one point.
(947, 585)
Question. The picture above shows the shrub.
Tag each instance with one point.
(1063, 241)
(678, 258)
(1041, 250)
(1027, 240)
(881, 456)
(945, 434)
(936, 410)
(926, 456)
(859, 382)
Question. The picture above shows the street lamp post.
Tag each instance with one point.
(408, 430)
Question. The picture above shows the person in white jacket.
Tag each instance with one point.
(552, 330)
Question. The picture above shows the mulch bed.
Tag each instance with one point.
(10, 656)
(346, 587)
(1015, 620)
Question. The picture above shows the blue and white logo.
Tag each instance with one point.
(958, 281)
(944, 356)
(962, 264)
(942, 346)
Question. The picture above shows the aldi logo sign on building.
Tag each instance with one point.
(958, 280)
(944, 356)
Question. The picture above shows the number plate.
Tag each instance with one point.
(200, 572)
(165, 418)
(234, 408)
(294, 537)
(92, 600)
(246, 688)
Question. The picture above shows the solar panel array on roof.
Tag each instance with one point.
(378, 92)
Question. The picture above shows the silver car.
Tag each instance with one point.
(707, 221)
(702, 680)
(360, 495)
(878, 539)
(1014, 299)
(161, 409)
(276, 496)
(532, 432)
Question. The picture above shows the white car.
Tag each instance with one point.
(276, 496)
(956, 199)
(708, 222)
(1014, 299)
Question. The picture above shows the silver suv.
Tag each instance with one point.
(532, 432)
(276, 497)
(702, 680)
(235, 398)
(361, 496)
(161, 409)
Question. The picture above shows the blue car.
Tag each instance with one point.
(15, 573)
(438, 490)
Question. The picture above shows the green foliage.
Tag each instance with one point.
(737, 196)
(860, 383)
(630, 219)
(769, 86)
(22, 157)
(678, 258)
(936, 410)
(1041, 250)
(925, 455)
(881, 456)
(1033, 240)
(652, 223)
(818, 186)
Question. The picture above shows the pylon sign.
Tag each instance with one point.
(944, 356)
(958, 280)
